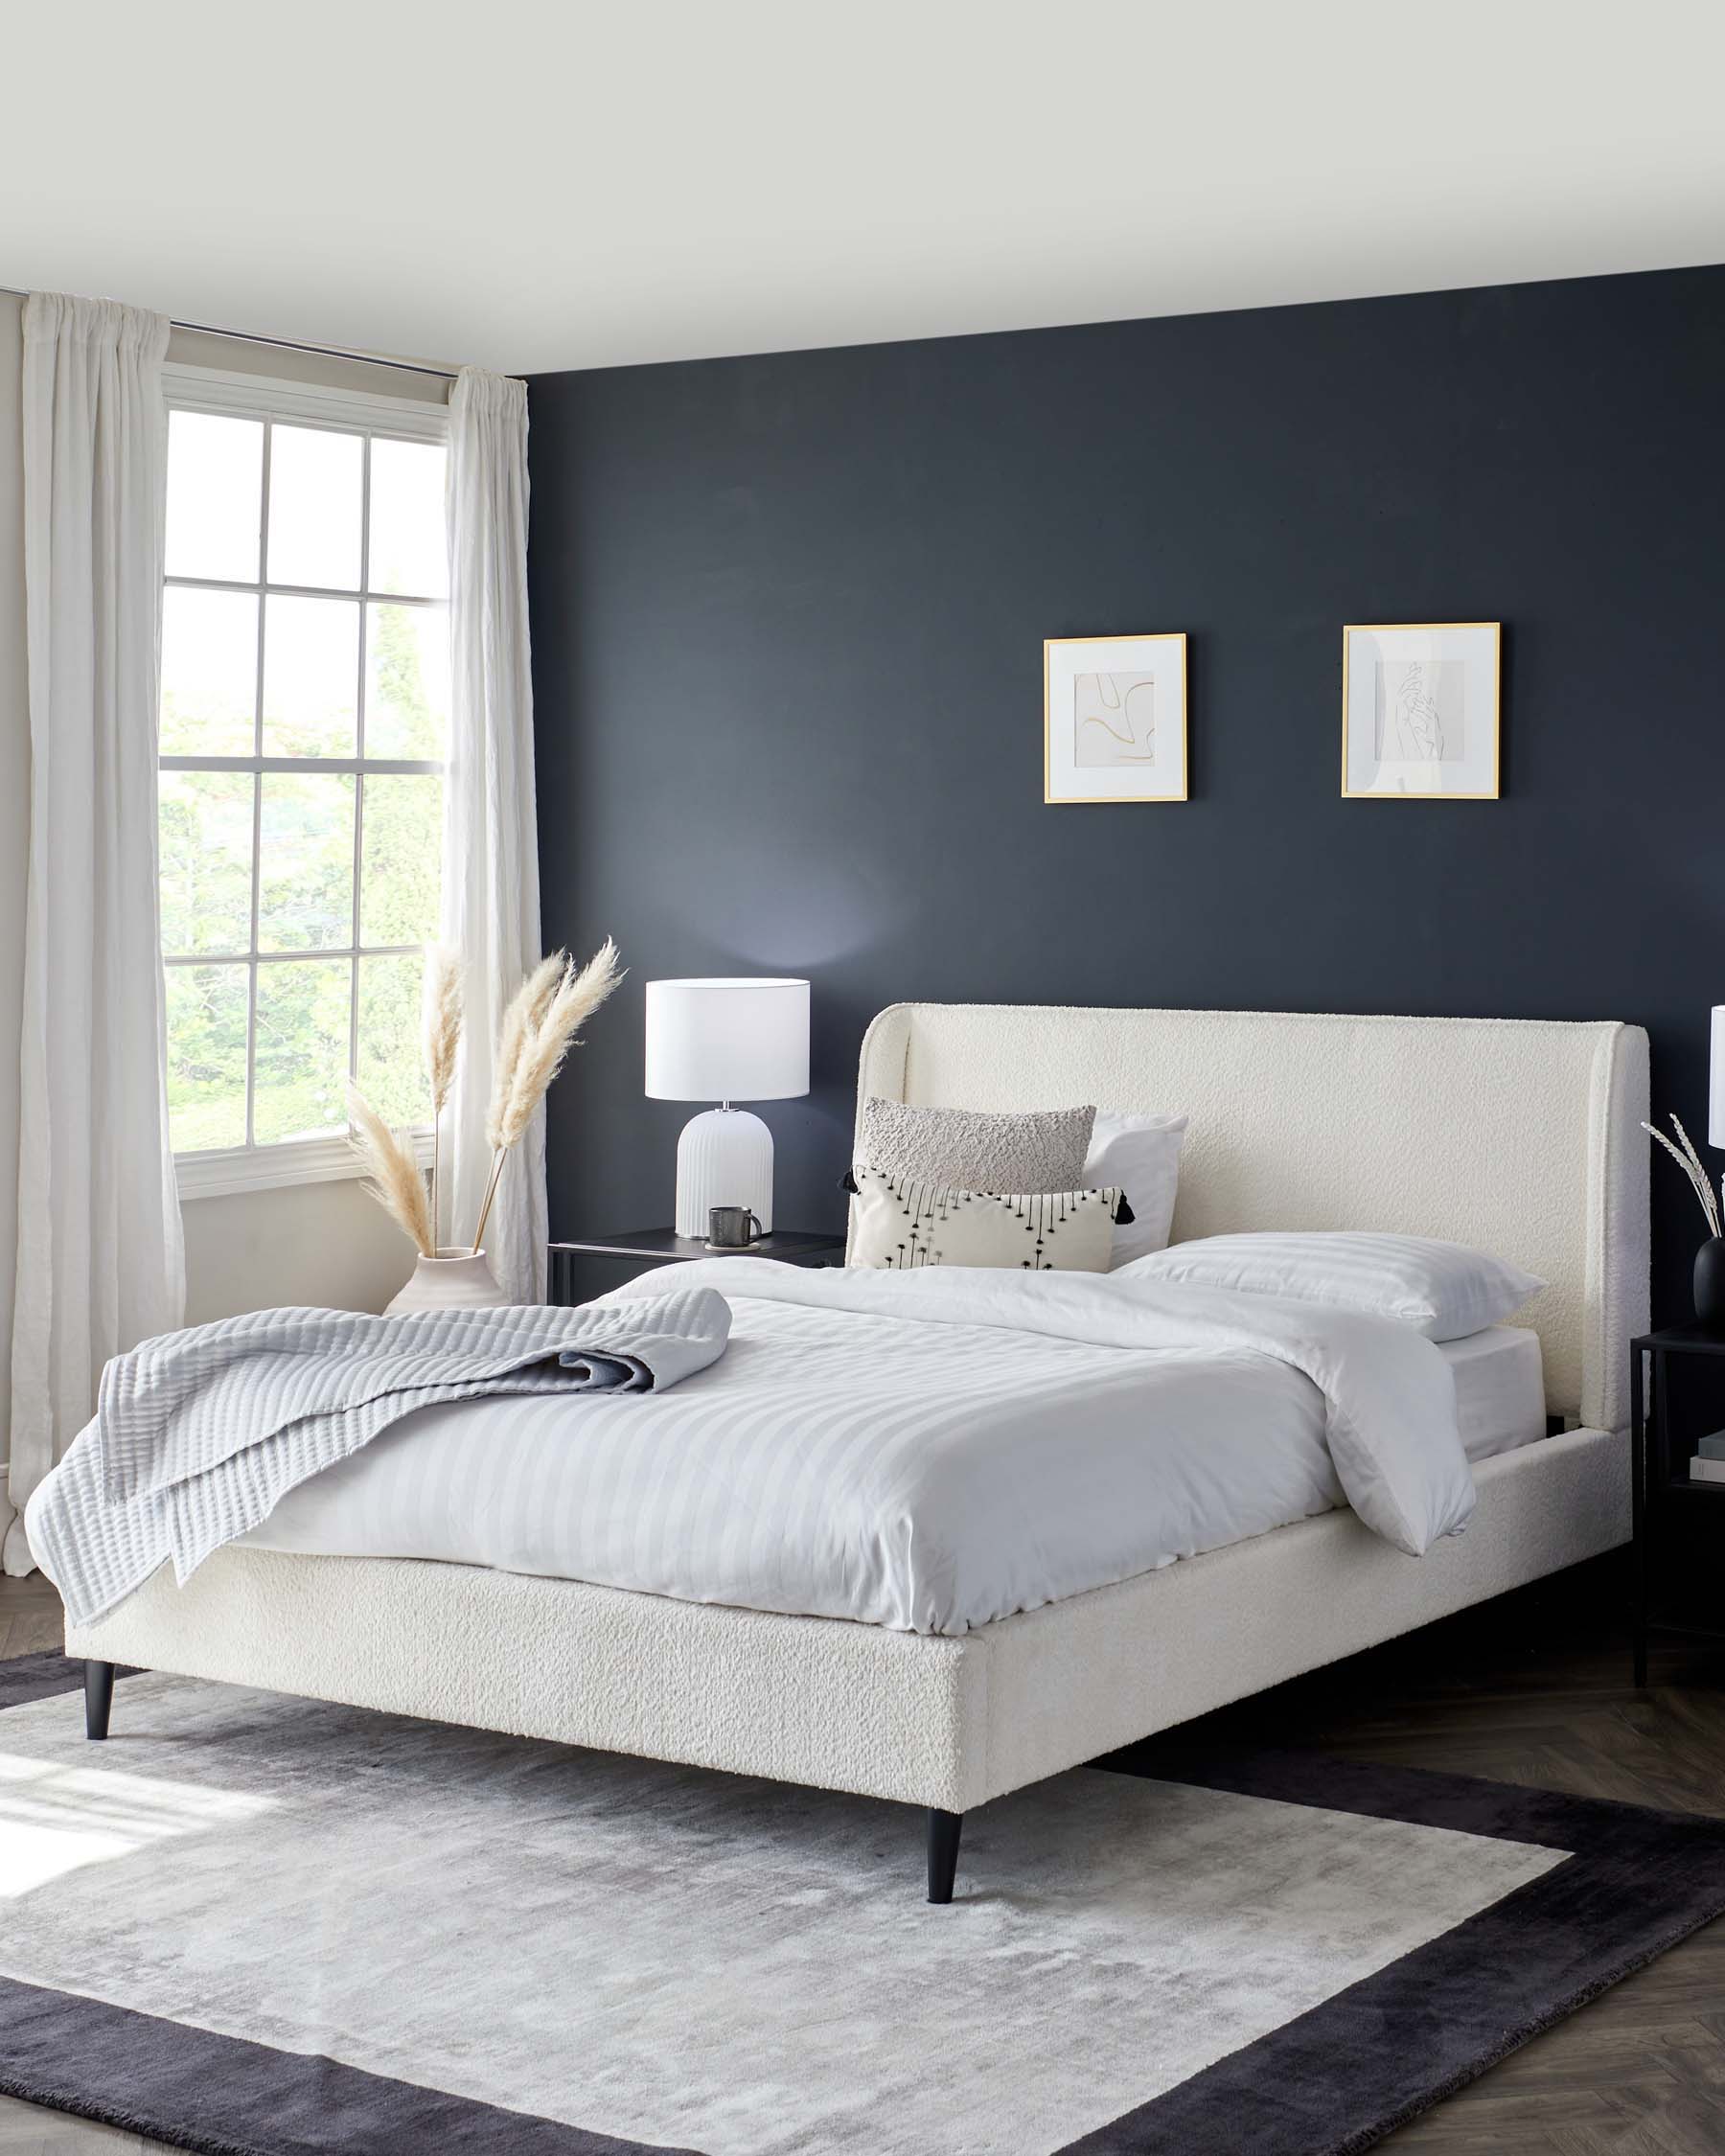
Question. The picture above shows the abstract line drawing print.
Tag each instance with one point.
(1114, 720)
(1421, 711)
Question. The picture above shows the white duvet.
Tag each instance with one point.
(927, 1451)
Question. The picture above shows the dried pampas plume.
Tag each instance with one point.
(1689, 1162)
(396, 1180)
(440, 1019)
(440, 1042)
(521, 1020)
(540, 1027)
(575, 998)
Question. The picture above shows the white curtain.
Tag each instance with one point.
(490, 842)
(100, 1264)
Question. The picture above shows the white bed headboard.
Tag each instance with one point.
(1514, 1136)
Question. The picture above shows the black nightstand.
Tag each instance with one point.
(1664, 1433)
(629, 1254)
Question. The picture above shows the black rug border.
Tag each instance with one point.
(1337, 2080)
(1656, 1876)
(251, 2099)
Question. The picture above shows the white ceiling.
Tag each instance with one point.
(533, 186)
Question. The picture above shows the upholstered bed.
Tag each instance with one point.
(1519, 1138)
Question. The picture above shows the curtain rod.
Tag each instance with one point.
(287, 344)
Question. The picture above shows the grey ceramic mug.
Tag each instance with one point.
(733, 1227)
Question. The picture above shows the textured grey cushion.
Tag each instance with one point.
(961, 1149)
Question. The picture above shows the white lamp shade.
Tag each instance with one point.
(727, 1040)
(1715, 1090)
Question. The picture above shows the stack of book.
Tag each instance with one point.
(1709, 1462)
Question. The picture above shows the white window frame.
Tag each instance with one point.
(219, 1172)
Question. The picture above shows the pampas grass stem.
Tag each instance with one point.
(1698, 1175)
(396, 1180)
(1689, 1162)
(1703, 1181)
(491, 1191)
(521, 1020)
(542, 1024)
(440, 1042)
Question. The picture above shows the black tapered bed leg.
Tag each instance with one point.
(944, 1830)
(99, 1698)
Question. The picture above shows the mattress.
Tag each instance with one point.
(929, 1477)
(1500, 1390)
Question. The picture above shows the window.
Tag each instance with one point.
(304, 724)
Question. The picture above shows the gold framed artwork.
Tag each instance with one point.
(1420, 711)
(1114, 719)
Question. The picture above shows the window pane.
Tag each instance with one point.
(215, 482)
(401, 872)
(314, 510)
(206, 840)
(306, 862)
(209, 672)
(301, 1063)
(311, 676)
(206, 1056)
(407, 552)
(390, 1073)
(407, 683)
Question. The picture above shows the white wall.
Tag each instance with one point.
(315, 1242)
(322, 1243)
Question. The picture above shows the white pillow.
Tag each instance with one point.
(899, 1225)
(1140, 1156)
(1444, 1290)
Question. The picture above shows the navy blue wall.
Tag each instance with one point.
(788, 615)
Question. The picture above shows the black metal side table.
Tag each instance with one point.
(634, 1252)
(1662, 1483)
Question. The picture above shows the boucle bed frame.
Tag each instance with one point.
(1517, 1136)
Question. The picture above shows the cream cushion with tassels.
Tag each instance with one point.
(901, 1223)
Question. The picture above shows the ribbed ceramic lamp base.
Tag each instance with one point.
(723, 1157)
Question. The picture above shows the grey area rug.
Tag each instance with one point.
(260, 1926)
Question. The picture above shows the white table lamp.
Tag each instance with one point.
(725, 1041)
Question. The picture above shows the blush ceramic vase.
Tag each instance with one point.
(1710, 1285)
(451, 1280)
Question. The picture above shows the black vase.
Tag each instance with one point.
(1710, 1285)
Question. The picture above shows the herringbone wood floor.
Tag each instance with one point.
(1533, 1690)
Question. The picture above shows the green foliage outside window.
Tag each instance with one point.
(305, 902)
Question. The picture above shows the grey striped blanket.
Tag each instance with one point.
(196, 1435)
